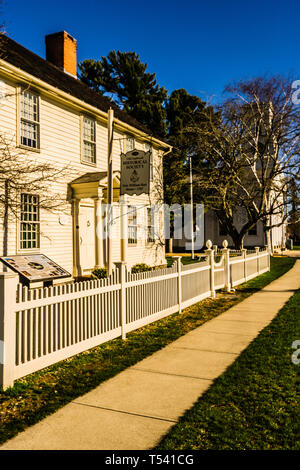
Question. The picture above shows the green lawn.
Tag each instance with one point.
(40, 394)
(255, 403)
(184, 260)
(296, 247)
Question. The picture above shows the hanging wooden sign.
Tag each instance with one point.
(135, 173)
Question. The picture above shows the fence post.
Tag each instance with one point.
(257, 254)
(121, 266)
(269, 256)
(244, 253)
(211, 257)
(226, 253)
(8, 291)
(179, 288)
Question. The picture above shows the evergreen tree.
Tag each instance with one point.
(124, 77)
(183, 111)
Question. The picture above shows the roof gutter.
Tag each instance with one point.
(144, 135)
(168, 151)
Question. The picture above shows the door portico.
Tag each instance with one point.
(89, 193)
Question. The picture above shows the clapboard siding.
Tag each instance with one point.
(60, 145)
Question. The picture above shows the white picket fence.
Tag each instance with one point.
(39, 327)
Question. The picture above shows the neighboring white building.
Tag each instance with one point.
(255, 237)
(212, 230)
(57, 119)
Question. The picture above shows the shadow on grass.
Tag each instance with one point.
(40, 394)
(254, 404)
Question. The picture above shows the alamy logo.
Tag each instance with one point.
(163, 222)
(296, 354)
(296, 93)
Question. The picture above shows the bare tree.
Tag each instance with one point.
(245, 160)
(21, 173)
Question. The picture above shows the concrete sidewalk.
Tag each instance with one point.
(293, 253)
(137, 407)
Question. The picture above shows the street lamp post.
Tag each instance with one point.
(109, 190)
(192, 212)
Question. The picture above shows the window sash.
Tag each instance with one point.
(30, 222)
(132, 225)
(29, 120)
(29, 106)
(130, 143)
(29, 134)
(89, 140)
(150, 226)
(89, 152)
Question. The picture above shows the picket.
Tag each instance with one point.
(46, 325)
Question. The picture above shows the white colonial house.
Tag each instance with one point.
(53, 117)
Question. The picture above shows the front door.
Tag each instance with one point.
(87, 237)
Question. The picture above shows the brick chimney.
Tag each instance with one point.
(61, 50)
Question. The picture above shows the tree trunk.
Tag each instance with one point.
(238, 241)
(268, 239)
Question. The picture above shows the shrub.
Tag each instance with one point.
(140, 268)
(99, 273)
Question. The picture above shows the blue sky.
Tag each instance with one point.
(196, 45)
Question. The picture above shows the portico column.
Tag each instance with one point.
(123, 228)
(98, 230)
(76, 246)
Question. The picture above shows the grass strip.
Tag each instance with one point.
(254, 404)
(37, 395)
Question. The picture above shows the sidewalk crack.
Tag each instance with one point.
(169, 420)
(205, 350)
(174, 375)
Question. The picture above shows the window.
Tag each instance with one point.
(150, 225)
(130, 144)
(253, 230)
(132, 225)
(30, 118)
(148, 148)
(222, 230)
(89, 140)
(30, 222)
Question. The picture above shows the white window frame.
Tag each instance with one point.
(30, 221)
(89, 141)
(132, 225)
(150, 236)
(129, 147)
(23, 119)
